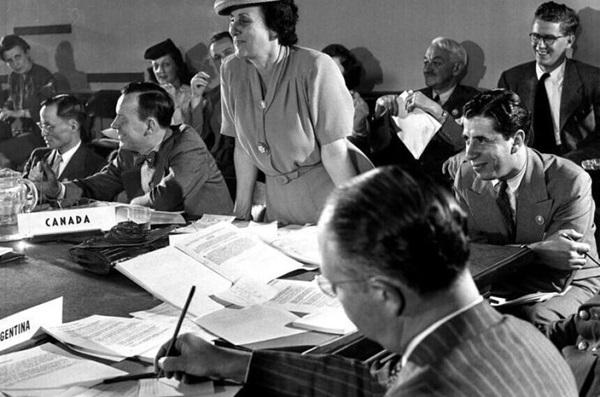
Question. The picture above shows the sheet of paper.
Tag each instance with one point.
(4, 250)
(417, 128)
(21, 326)
(168, 274)
(298, 242)
(204, 222)
(171, 387)
(247, 291)
(235, 254)
(249, 325)
(119, 389)
(300, 296)
(126, 337)
(330, 320)
(49, 367)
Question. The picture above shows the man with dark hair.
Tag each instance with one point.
(399, 269)
(28, 85)
(517, 195)
(443, 97)
(205, 108)
(62, 122)
(563, 94)
(158, 166)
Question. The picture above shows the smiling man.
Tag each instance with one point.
(62, 120)
(160, 166)
(563, 94)
(400, 270)
(517, 195)
(444, 66)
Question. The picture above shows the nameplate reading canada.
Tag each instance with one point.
(66, 221)
(22, 326)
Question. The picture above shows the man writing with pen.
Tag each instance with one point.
(400, 270)
(516, 195)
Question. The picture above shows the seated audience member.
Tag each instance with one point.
(28, 85)
(171, 73)
(205, 106)
(444, 66)
(399, 268)
(563, 94)
(578, 338)
(62, 120)
(158, 166)
(516, 195)
(351, 70)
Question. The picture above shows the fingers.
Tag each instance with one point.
(171, 366)
(386, 103)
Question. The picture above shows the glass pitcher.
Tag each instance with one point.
(17, 195)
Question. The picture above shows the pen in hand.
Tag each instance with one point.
(178, 327)
(585, 253)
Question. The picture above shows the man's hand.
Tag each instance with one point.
(193, 357)
(5, 114)
(48, 185)
(417, 99)
(386, 104)
(562, 250)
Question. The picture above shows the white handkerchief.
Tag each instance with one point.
(416, 129)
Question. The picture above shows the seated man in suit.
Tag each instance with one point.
(443, 67)
(62, 120)
(562, 94)
(399, 269)
(516, 195)
(158, 166)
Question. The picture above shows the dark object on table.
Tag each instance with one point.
(124, 241)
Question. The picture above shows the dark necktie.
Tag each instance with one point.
(543, 129)
(506, 209)
(436, 98)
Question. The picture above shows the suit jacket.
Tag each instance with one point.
(476, 353)
(185, 178)
(84, 162)
(446, 142)
(579, 104)
(578, 338)
(554, 194)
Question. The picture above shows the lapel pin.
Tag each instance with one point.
(454, 112)
(539, 219)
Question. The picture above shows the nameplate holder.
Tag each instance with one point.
(20, 327)
(66, 221)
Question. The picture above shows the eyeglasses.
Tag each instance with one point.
(329, 288)
(45, 127)
(548, 39)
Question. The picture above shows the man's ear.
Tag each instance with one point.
(518, 141)
(74, 125)
(388, 293)
(151, 126)
(456, 69)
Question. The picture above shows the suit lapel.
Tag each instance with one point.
(529, 83)
(76, 161)
(571, 93)
(454, 104)
(533, 204)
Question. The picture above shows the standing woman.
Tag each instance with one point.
(289, 110)
(171, 73)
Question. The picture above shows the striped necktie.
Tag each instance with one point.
(56, 163)
(505, 207)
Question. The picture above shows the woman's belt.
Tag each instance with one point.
(287, 177)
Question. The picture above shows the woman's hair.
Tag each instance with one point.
(168, 48)
(352, 67)
(281, 17)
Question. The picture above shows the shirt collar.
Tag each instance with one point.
(556, 76)
(412, 345)
(444, 96)
(514, 182)
(66, 156)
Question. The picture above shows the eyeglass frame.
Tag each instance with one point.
(548, 39)
(329, 287)
(45, 127)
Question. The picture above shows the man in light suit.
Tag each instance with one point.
(62, 120)
(572, 88)
(516, 195)
(443, 98)
(399, 269)
(158, 166)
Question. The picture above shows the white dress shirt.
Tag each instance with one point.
(554, 85)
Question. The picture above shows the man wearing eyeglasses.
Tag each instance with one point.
(399, 269)
(62, 120)
(563, 94)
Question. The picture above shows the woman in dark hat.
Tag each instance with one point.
(351, 70)
(289, 110)
(170, 71)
